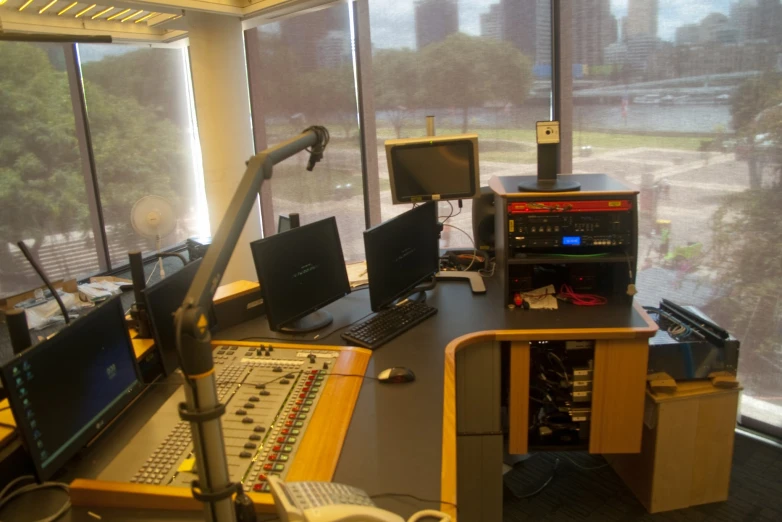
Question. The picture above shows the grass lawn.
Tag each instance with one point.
(597, 140)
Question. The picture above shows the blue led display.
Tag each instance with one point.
(571, 240)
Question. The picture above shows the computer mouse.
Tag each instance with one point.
(395, 375)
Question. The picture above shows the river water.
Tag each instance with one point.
(690, 119)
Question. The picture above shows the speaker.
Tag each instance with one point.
(16, 320)
(483, 220)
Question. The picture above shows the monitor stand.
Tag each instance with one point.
(418, 296)
(309, 323)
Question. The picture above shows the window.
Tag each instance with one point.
(301, 74)
(42, 185)
(683, 100)
(143, 140)
(479, 67)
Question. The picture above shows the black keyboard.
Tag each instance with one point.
(378, 330)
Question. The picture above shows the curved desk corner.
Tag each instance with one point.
(619, 384)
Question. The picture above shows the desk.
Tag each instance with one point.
(395, 440)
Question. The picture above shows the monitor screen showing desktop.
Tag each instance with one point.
(433, 168)
(300, 272)
(65, 390)
(162, 300)
(401, 253)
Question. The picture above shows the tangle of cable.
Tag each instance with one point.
(567, 293)
(7, 495)
(475, 248)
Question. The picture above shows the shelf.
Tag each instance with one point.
(540, 259)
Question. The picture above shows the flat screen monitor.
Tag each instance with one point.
(401, 253)
(283, 224)
(300, 272)
(433, 168)
(163, 299)
(64, 390)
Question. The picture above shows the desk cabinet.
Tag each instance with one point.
(617, 396)
(687, 448)
(472, 432)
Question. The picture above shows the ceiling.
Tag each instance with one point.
(133, 21)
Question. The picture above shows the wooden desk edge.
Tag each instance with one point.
(83, 492)
(235, 289)
(8, 432)
(448, 464)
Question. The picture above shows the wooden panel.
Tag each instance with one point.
(448, 477)
(518, 407)
(689, 389)
(618, 392)
(7, 423)
(714, 451)
(235, 289)
(316, 458)
(635, 469)
(98, 493)
(673, 456)
(140, 346)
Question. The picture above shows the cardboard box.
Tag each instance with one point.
(687, 448)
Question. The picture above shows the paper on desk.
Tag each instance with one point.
(541, 298)
(357, 274)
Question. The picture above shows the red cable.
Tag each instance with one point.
(566, 292)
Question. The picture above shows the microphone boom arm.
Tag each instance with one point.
(202, 407)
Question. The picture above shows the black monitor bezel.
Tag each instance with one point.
(474, 182)
(275, 324)
(376, 304)
(65, 336)
(148, 301)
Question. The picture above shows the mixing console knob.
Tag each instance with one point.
(285, 381)
(259, 429)
(260, 386)
(312, 358)
(264, 392)
(325, 366)
(270, 348)
(255, 437)
(290, 376)
(249, 445)
(247, 420)
(245, 455)
(277, 369)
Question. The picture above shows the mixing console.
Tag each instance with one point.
(271, 393)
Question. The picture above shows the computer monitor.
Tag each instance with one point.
(283, 224)
(300, 272)
(401, 253)
(65, 390)
(433, 168)
(162, 300)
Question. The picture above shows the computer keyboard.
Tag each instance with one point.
(378, 330)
